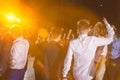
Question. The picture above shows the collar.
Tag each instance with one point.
(83, 35)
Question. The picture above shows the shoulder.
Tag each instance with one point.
(24, 42)
(74, 40)
(93, 37)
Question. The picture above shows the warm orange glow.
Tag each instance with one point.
(17, 12)
(18, 20)
(114, 64)
(15, 25)
(1, 12)
(10, 17)
(32, 16)
(43, 33)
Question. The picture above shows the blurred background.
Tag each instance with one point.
(57, 13)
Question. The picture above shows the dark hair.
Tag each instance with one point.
(56, 33)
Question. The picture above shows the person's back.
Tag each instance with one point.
(18, 54)
(53, 56)
(83, 49)
(38, 50)
(98, 68)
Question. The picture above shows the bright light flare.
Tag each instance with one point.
(18, 20)
(10, 17)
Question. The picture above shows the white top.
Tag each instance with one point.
(29, 74)
(19, 52)
(83, 49)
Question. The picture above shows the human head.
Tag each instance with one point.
(84, 26)
(99, 29)
(56, 35)
(16, 31)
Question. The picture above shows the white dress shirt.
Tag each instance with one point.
(83, 49)
(19, 52)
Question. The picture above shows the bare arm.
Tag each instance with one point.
(101, 64)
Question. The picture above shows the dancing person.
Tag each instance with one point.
(53, 56)
(101, 52)
(83, 48)
(18, 54)
(38, 51)
(113, 61)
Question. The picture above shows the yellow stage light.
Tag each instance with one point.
(18, 20)
(11, 17)
(1, 12)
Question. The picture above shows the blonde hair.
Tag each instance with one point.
(83, 24)
(100, 29)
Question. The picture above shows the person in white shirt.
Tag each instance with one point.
(18, 55)
(83, 49)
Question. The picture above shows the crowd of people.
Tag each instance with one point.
(92, 52)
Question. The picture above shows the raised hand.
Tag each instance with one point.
(105, 20)
(114, 27)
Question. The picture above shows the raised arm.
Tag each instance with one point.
(109, 38)
(109, 28)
